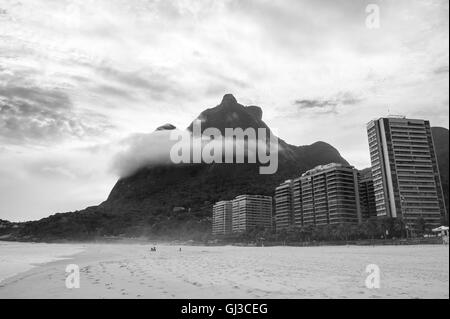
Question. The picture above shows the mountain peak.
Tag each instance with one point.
(228, 99)
(255, 111)
(230, 114)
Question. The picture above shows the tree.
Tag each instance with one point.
(420, 226)
(399, 229)
(366, 229)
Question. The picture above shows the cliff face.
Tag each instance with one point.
(143, 204)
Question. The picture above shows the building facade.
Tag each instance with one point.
(367, 195)
(405, 172)
(326, 195)
(284, 210)
(297, 202)
(330, 195)
(251, 211)
(222, 215)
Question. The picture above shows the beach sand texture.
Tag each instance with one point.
(133, 271)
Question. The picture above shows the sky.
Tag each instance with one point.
(80, 79)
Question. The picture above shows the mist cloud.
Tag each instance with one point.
(142, 150)
(148, 150)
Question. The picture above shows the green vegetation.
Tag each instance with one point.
(383, 228)
(92, 224)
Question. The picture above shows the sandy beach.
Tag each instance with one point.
(133, 271)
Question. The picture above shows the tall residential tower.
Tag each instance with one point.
(405, 171)
(284, 217)
(222, 213)
(367, 194)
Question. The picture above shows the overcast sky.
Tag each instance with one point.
(78, 78)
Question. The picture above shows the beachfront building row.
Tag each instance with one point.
(242, 214)
(326, 195)
(403, 182)
(405, 171)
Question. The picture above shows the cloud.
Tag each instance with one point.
(441, 70)
(310, 104)
(42, 116)
(147, 150)
(142, 150)
(329, 105)
(39, 182)
(52, 98)
(158, 85)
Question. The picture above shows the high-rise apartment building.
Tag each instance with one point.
(297, 202)
(222, 214)
(284, 216)
(250, 211)
(367, 195)
(327, 194)
(405, 170)
(330, 195)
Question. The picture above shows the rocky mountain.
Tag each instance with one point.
(199, 184)
(441, 144)
(148, 202)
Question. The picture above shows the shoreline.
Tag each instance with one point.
(221, 242)
(34, 268)
(12, 266)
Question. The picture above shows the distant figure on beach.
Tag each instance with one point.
(153, 249)
(180, 249)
